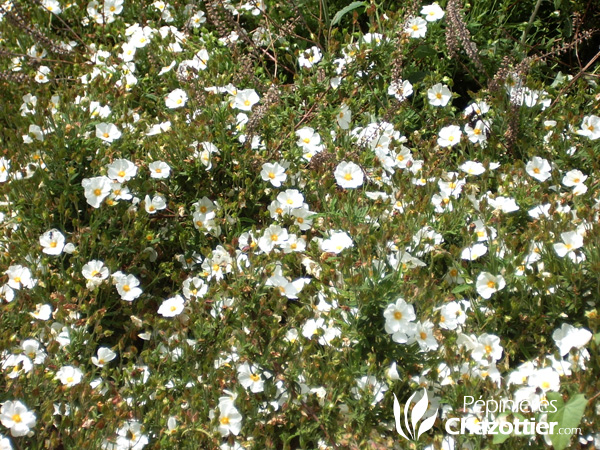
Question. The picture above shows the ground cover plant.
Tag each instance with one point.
(262, 225)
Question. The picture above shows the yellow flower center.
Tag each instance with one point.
(70, 379)
(97, 192)
(397, 315)
(488, 349)
(536, 170)
(173, 308)
(274, 237)
(348, 177)
(423, 335)
(545, 385)
(491, 284)
(246, 102)
(254, 377)
(300, 220)
(438, 95)
(306, 140)
(203, 209)
(16, 418)
(224, 420)
(17, 279)
(106, 135)
(271, 175)
(52, 244)
(126, 288)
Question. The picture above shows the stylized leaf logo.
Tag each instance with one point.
(416, 415)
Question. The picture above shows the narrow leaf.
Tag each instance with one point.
(342, 12)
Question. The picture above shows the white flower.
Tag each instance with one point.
(53, 242)
(477, 134)
(172, 307)
(121, 170)
(108, 132)
(19, 276)
(474, 252)
(15, 416)
(274, 173)
(69, 375)
(451, 316)
(41, 75)
(348, 175)
(159, 169)
(449, 136)
(291, 199)
(423, 335)
(96, 189)
(590, 127)
(432, 12)
(42, 311)
(105, 355)
(575, 178)
(154, 204)
(487, 284)
(568, 337)
(130, 436)
(94, 271)
(439, 95)
(547, 379)
(127, 287)
(308, 139)
(398, 315)
(571, 240)
(472, 168)
(504, 204)
(52, 6)
(176, 99)
(338, 241)
(343, 117)
(230, 420)
(487, 347)
(194, 288)
(400, 89)
(250, 378)
(416, 27)
(245, 99)
(309, 57)
(274, 235)
(539, 168)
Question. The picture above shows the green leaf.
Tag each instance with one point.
(461, 288)
(567, 416)
(342, 12)
(423, 51)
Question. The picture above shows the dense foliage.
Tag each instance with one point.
(248, 225)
